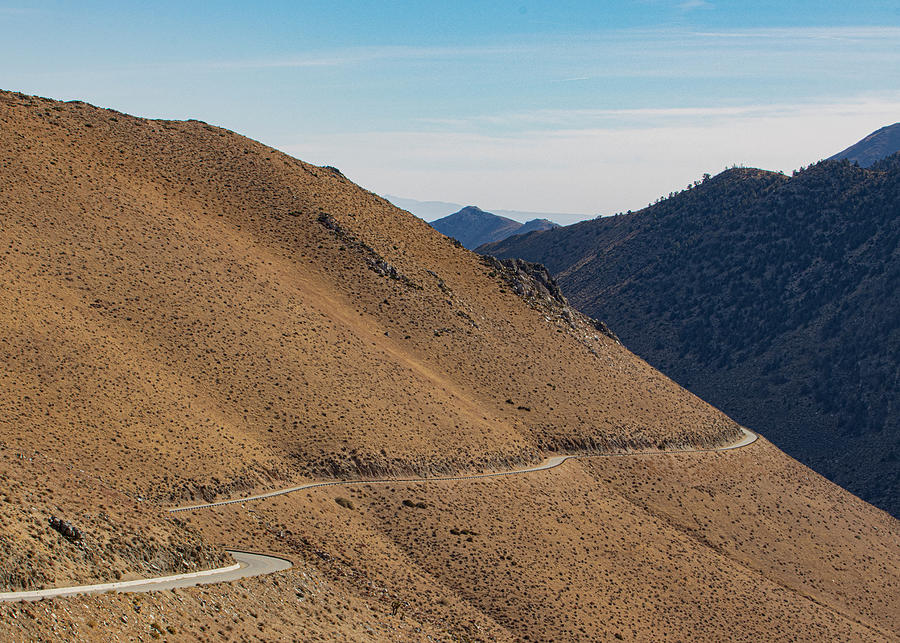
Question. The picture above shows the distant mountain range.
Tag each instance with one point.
(776, 298)
(874, 147)
(473, 227)
(431, 210)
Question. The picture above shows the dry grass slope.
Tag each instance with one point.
(171, 296)
(187, 314)
(117, 536)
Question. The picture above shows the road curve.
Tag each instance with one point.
(747, 438)
(248, 564)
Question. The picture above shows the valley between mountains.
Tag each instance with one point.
(189, 316)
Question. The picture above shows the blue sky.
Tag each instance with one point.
(591, 107)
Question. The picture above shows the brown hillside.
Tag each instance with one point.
(189, 314)
(118, 537)
(170, 297)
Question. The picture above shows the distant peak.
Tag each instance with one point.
(878, 145)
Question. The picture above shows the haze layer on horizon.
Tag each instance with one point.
(575, 107)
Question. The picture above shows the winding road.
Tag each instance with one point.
(552, 462)
(251, 564)
(248, 564)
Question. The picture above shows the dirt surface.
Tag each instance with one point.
(115, 537)
(188, 315)
(170, 291)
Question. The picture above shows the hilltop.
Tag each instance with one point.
(473, 227)
(189, 315)
(431, 210)
(773, 297)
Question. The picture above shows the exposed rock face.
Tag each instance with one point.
(533, 283)
(529, 280)
(66, 528)
(374, 261)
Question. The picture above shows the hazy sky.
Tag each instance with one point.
(590, 107)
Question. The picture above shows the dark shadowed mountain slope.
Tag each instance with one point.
(775, 298)
(876, 146)
(535, 225)
(472, 226)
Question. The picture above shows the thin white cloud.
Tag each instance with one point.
(7, 12)
(358, 55)
(580, 119)
(597, 169)
(807, 33)
(601, 54)
(285, 63)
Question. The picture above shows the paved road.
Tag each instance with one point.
(247, 565)
(747, 438)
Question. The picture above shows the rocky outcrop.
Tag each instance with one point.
(533, 283)
(357, 466)
(372, 465)
(242, 482)
(729, 432)
(374, 261)
(67, 529)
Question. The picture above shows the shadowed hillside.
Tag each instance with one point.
(878, 145)
(774, 297)
(189, 315)
(472, 226)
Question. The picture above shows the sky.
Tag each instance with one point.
(580, 107)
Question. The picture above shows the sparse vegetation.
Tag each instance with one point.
(170, 334)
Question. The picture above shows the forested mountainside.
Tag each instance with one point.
(773, 297)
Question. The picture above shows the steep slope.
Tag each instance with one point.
(878, 145)
(60, 526)
(181, 294)
(773, 297)
(473, 227)
(188, 314)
